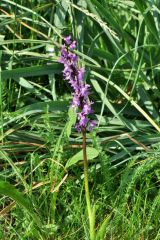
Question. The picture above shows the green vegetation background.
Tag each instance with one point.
(41, 177)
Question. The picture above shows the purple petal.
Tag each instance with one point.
(81, 74)
(73, 45)
(67, 40)
(76, 101)
(61, 59)
(85, 90)
(64, 52)
(78, 127)
(73, 57)
(87, 109)
(92, 124)
(83, 120)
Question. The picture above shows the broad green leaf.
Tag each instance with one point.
(72, 120)
(32, 12)
(91, 153)
(152, 122)
(60, 14)
(101, 232)
(79, 24)
(36, 108)
(30, 88)
(96, 17)
(31, 71)
(150, 23)
(111, 107)
(9, 190)
(147, 101)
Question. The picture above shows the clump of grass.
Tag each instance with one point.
(118, 42)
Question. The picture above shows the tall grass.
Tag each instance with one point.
(41, 177)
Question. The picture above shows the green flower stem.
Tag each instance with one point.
(87, 193)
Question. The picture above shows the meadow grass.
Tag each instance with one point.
(42, 193)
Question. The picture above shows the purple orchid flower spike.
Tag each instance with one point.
(80, 91)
